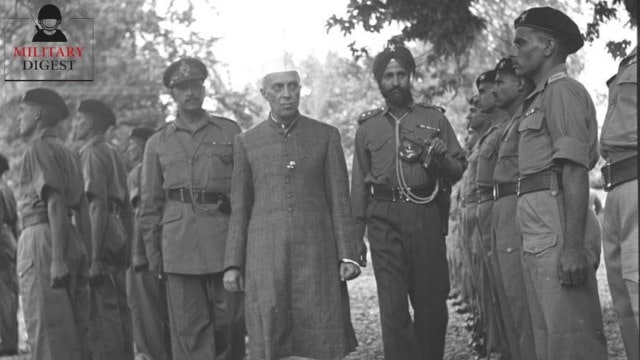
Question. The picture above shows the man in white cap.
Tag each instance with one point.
(291, 244)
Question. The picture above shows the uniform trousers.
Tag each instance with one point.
(8, 293)
(507, 255)
(56, 319)
(409, 261)
(147, 301)
(566, 320)
(466, 229)
(206, 321)
(620, 244)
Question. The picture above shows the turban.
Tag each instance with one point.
(398, 53)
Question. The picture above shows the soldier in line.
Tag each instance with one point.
(52, 260)
(105, 185)
(510, 91)
(8, 277)
(619, 147)
(145, 291)
(557, 147)
(184, 217)
(406, 159)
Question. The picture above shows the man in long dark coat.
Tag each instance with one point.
(291, 235)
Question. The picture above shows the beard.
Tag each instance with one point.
(397, 96)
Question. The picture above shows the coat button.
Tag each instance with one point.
(509, 249)
(554, 193)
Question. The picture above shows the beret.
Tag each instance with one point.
(506, 65)
(486, 77)
(141, 133)
(555, 21)
(183, 70)
(47, 97)
(98, 107)
(396, 52)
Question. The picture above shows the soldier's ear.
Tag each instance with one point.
(263, 92)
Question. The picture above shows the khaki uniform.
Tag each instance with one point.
(558, 124)
(407, 241)
(8, 276)
(618, 142)
(56, 318)
(507, 244)
(190, 237)
(105, 178)
(145, 292)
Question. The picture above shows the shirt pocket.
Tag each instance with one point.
(537, 243)
(219, 159)
(175, 169)
(532, 122)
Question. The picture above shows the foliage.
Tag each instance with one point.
(603, 12)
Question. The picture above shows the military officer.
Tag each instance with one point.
(557, 147)
(8, 277)
(105, 185)
(52, 262)
(186, 179)
(145, 291)
(406, 158)
(510, 91)
(619, 147)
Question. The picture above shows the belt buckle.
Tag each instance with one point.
(608, 180)
(518, 186)
(197, 195)
(496, 192)
(182, 194)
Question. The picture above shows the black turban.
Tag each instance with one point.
(400, 54)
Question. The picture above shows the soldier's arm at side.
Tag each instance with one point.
(95, 186)
(152, 200)
(139, 261)
(57, 213)
(452, 161)
(359, 188)
(81, 215)
(126, 216)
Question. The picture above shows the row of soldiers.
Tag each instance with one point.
(525, 246)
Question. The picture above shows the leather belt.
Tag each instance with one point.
(386, 193)
(504, 189)
(539, 182)
(194, 195)
(620, 172)
(485, 194)
(471, 198)
(34, 218)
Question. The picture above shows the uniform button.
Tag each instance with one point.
(289, 195)
(508, 249)
(554, 193)
(611, 102)
(290, 209)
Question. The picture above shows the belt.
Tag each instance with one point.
(34, 218)
(386, 193)
(194, 195)
(538, 182)
(505, 189)
(485, 194)
(471, 198)
(620, 172)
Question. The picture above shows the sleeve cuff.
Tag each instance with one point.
(569, 148)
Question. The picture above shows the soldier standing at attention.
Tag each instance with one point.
(146, 295)
(406, 159)
(52, 260)
(557, 147)
(619, 147)
(184, 218)
(105, 185)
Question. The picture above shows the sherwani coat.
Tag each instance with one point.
(290, 228)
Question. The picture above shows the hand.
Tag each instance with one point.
(97, 272)
(59, 273)
(572, 266)
(232, 280)
(155, 266)
(363, 254)
(140, 263)
(438, 148)
(348, 271)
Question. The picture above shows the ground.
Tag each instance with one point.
(366, 321)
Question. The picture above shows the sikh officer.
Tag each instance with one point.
(145, 291)
(52, 262)
(619, 147)
(557, 147)
(406, 159)
(510, 91)
(105, 185)
(186, 179)
(8, 277)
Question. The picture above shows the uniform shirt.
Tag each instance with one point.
(559, 123)
(374, 160)
(133, 183)
(488, 149)
(105, 175)
(47, 163)
(193, 235)
(506, 169)
(619, 139)
(7, 205)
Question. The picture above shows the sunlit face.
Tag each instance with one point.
(505, 89)
(282, 92)
(28, 118)
(135, 149)
(189, 95)
(486, 100)
(528, 51)
(81, 126)
(395, 84)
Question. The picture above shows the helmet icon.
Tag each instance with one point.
(49, 18)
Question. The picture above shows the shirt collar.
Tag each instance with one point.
(281, 126)
(178, 123)
(410, 107)
(97, 139)
(45, 133)
(558, 69)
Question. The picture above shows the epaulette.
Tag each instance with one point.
(557, 76)
(368, 115)
(430, 106)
